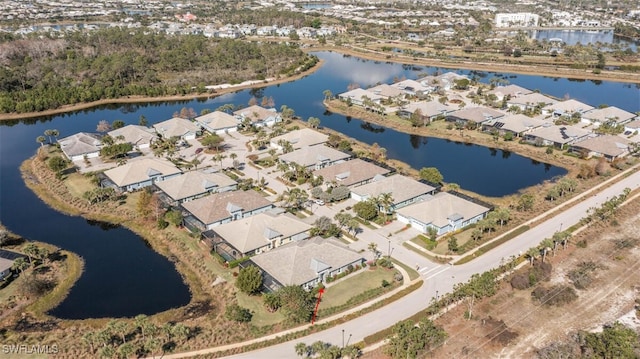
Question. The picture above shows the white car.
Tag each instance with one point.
(319, 202)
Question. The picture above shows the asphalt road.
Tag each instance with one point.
(442, 278)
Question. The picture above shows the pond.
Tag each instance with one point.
(124, 277)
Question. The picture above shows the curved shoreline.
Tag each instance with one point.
(367, 54)
(144, 99)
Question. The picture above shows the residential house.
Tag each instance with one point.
(195, 184)
(632, 127)
(447, 81)
(307, 32)
(140, 137)
(259, 116)
(177, 127)
(427, 111)
(218, 122)
(139, 173)
(300, 138)
(305, 263)
(220, 208)
(314, 157)
(360, 97)
(5, 268)
(509, 91)
(266, 30)
(568, 108)
(387, 91)
(599, 116)
(530, 101)
(557, 136)
(404, 190)
(76, 147)
(413, 88)
(474, 115)
(258, 234)
(609, 147)
(443, 211)
(351, 173)
(517, 124)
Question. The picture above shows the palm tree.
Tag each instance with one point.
(313, 122)
(55, 133)
(218, 158)
(20, 264)
(48, 133)
(41, 140)
(30, 250)
(386, 201)
(327, 94)
(373, 247)
(532, 253)
(546, 246)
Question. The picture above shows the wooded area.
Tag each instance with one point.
(42, 74)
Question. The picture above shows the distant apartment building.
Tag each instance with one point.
(516, 19)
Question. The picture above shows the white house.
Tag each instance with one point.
(177, 127)
(218, 122)
(140, 137)
(140, 173)
(82, 144)
(444, 212)
(259, 116)
(403, 190)
(220, 208)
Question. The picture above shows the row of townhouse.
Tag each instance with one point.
(411, 99)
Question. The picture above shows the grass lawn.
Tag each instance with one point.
(261, 316)
(365, 223)
(78, 184)
(363, 280)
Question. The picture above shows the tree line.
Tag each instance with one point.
(42, 74)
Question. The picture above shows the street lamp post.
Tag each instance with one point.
(342, 338)
(389, 248)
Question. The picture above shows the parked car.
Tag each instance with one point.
(319, 202)
(199, 150)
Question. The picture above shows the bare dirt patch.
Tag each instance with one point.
(609, 294)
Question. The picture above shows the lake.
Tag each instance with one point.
(584, 37)
(123, 277)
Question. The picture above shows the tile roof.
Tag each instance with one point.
(350, 172)
(176, 127)
(140, 170)
(311, 155)
(608, 145)
(218, 206)
(402, 188)
(302, 138)
(134, 134)
(442, 207)
(253, 232)
(80, 143)
(300, 262)
(217, 120)
(194, 183)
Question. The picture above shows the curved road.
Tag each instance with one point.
(438, 279)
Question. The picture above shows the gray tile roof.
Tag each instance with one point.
(311, 155)
(134, 134)
(301, 262)
(302, 138)
(251, 233)
(402, 188)
(176, 127)
(442, 207)
(80, 144)
(608, 145)
(217, 120)
(350, 172)
(140, 170)
(194, 183)
(218, 206)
